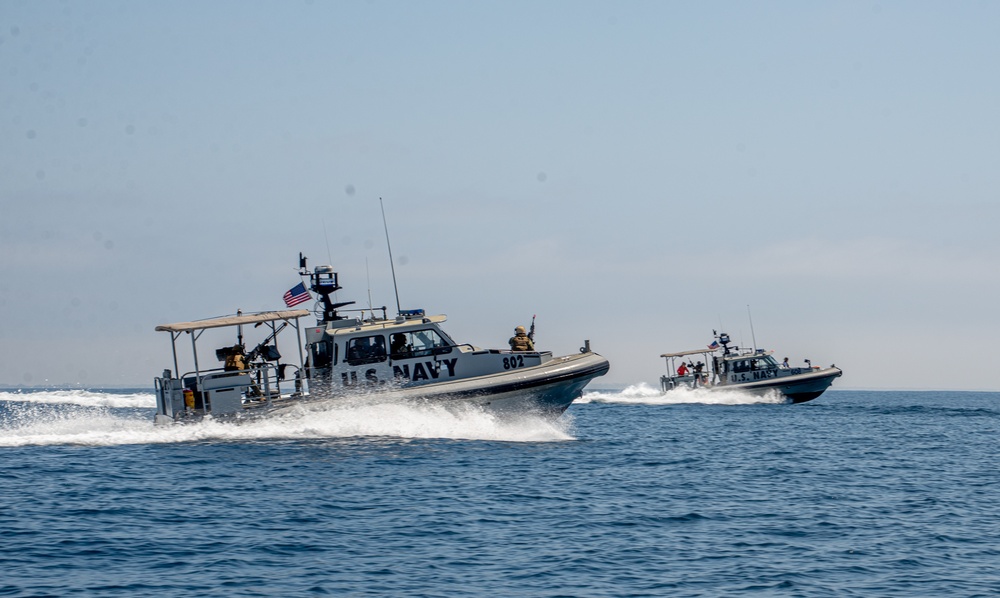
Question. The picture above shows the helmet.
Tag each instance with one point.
(519, 330)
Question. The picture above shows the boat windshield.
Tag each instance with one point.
(418, 343)
(764, 362)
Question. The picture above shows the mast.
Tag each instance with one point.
(323, 281)
(392, 265)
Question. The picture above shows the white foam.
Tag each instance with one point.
(407, 420)
(34, 425)
(643, 394)
(84, 398)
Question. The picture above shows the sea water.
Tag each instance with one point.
(629, 493)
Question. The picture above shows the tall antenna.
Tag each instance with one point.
(329, 256)
(391, 263)
(752, 335)
(369, 287)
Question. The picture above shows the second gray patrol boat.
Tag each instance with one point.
(755, 371)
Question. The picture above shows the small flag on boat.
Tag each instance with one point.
(297, 294)
(713, 346)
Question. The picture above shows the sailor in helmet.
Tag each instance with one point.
(520, 341)
(236, 359)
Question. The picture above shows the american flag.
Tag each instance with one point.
(297, 294)
(713, 346)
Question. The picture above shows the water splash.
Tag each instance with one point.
(83, 398)
(41, 421)
(644, 394)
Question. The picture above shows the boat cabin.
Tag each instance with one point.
(748, 367)
(409, 350)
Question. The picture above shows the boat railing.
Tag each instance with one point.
(259, 382)
(670, 382)
(509, 351)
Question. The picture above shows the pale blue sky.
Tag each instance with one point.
(635, 173)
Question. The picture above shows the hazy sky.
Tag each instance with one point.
(634, 173)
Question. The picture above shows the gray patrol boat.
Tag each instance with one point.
(753, 370)
(408, 357)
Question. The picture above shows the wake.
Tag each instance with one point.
(83, 398)
(98, 420)
(644, 394)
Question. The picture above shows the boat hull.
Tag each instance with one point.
(797, 388)
(549, 388)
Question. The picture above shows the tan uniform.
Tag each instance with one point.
(235, 362)
(521, 342)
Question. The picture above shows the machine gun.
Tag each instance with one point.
(268, 352)
(531, 331)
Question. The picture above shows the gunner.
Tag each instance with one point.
(235, 360)
(520, 341)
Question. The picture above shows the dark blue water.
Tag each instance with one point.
(629, 494)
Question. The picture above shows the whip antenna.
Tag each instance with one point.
(752, 336)
(392, 265)
(369, 287)
(329, 256)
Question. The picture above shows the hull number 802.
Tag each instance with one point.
(513, 362)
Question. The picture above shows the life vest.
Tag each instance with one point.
(521, 342)
(235, 362)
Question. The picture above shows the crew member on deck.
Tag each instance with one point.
(683, 370)
(698, 369)
(235, 360)
(520, 341)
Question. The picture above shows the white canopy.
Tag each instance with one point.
(691, 352)
(266, 316)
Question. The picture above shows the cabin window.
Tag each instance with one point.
(322, 355)
(741, 366)
(366, 349)
(765, 363)
(417, 343)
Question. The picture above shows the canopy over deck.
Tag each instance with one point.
(691, 352)
(267, 316)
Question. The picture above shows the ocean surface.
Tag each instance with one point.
(627, 494)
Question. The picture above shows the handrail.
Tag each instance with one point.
(268, 381)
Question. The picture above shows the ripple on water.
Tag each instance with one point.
(855, 494)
